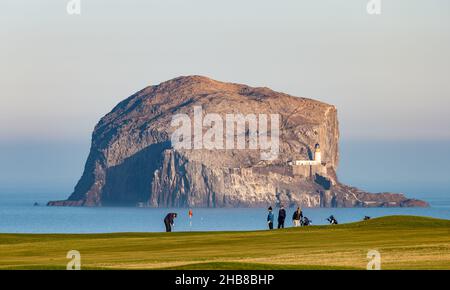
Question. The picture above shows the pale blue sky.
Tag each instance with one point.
(388, 74)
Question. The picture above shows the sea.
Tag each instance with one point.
(19, 215)
(37, 173)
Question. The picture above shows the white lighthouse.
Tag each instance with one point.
(308, 168)
(317, 154)
(317, 159)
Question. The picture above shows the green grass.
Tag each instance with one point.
(404, 242)
(252, 266)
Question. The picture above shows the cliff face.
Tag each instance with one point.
(132, 159)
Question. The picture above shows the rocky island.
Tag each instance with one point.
(133, 161)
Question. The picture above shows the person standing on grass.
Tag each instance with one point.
(297, 217)
(281, 217)
(169, 220)
(270, 218)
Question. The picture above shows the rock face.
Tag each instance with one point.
(133, 161)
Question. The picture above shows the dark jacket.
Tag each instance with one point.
(169, 218)
(297, 215)
(282, 214)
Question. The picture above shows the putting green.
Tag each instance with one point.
(404, 242)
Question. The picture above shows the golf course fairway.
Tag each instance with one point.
(404, 242)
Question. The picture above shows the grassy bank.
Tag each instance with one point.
(404, 243)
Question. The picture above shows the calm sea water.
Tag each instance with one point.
(18, 215)
(32, 172)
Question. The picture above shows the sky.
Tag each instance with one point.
(387, 74)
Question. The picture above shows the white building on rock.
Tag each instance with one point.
(308, 168)
(317, 159)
